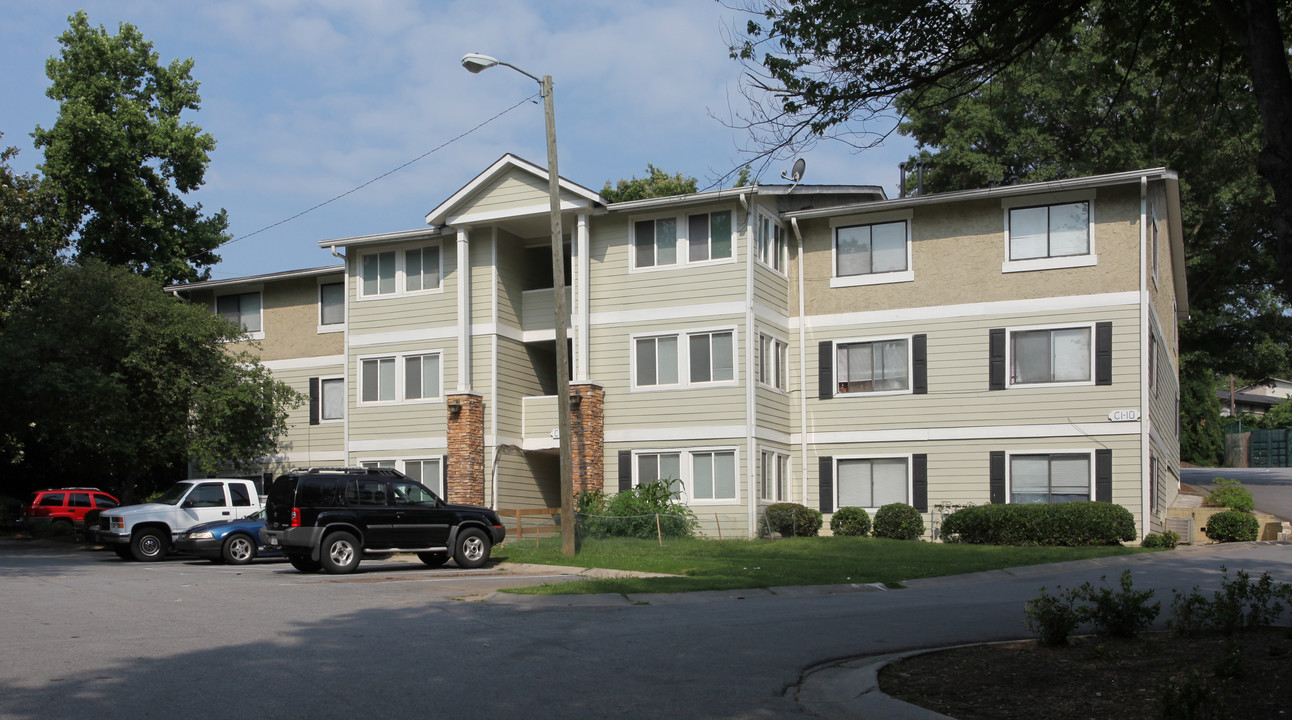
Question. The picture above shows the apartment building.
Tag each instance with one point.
(824, 345)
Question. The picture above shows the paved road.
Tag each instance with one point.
(1271, 487)
(88, 636)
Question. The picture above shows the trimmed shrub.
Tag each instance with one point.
(1074, 524)
(1229, 494)
(1233, 526)
(1166, 541)
(793, 520)
(851, 521)
(898, 521)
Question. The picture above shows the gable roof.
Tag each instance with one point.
(464, 207)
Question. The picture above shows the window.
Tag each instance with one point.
(713, 475)
(333, 398)
(422, 269)
(878, 366)
(661, 466)
(655, 242)
(241, 496)
(78, 500)
(103, 501)
(771, 243)
(422, 377)
(207, 495)
(1049, 231)
(378, 464)
(1050, 356)
(1052, 478)
(426, 472)
(378, 380)
(774, 476)
(771, 362)
(332, 304)
(871, 249)
(52, 500)
(378, 274)
(872, 482)
(366, 492)
(711, 357)
(243, 310)
(657, 361)
(708, 236)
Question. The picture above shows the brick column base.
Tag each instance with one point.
(587, 436)
(464, 481)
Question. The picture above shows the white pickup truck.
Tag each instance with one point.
(145, 532)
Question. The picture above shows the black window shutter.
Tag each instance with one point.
(920, 482)
(826, 487)
(920, 364)
(997, 477)
(825, 369)
(1104, 353)
(314, 401)
(625, 470)
(1104, 475)
(997, 353)
(444, 472)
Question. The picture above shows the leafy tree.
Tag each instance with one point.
(835, 67)
(120, 158)
(657, 183)
(109, 376)
(1202, 433)
(30, 235)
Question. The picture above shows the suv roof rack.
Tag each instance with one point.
(350, 470)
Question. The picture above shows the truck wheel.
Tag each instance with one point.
(471, 549)
(433, 559)
(123, 552)
(304, 563)
(238, 549)
(341, 553)
(149, 545)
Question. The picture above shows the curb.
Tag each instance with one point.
(850, 689)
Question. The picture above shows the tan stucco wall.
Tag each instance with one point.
(290, 318)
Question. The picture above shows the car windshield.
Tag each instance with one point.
(257, 515)
(174, 494)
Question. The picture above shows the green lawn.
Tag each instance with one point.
(715, 565)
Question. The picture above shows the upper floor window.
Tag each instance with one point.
(391, 272)
(1049, 231)
(332, 402)
(655, 242)
(243, 309)
(708, 236)
(381, 378)
(1049, 478)
(422, 377)
(1060, 355)
(332, 304)
(422, 268)
(871, 249)
(378, 274)
(875, 366)
(710, 358)
(377, 379)
(683, 240)
(770, 242)
(771, 362)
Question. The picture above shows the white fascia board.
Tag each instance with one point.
(286, 275)
(440, 215)
(392, 237)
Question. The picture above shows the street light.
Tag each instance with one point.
(475, 62)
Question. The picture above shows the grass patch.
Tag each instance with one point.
(713, 565)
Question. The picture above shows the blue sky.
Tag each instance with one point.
(309, 100)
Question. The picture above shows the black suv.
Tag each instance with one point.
(329, 517)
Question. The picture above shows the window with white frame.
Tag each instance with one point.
(377, 380)
(1049, 478)
(872, 482)
(332, 303)
(242, 309)
(422, 268)
(709, 358)
(1049, 231)
(408, 270)
(661, 466)
(411, 377)
(332, 401)
(871, 249)
(378, 464)
(708, 236)
(378, 273)
(427, 472)
(770, 242)
(773, 476)
(655, 242)
(422, 377)
(771, 362)
(874, 366)
(713, 475)
(1059, 355)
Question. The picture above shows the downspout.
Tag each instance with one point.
(751, 407)
(803, 428)
(345, 354)
(1145, 421)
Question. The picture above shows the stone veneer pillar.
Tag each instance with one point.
(465, 477)
(587, 436)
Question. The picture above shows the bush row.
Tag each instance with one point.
(1073, 524)
(897, 521)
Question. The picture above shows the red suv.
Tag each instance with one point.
(65, 505)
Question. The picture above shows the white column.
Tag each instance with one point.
(582, 308)
(464, 312)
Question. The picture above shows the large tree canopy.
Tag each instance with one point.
(120, 157)
(657, 183)
(108, 376)
(835, 67)
(31, 236)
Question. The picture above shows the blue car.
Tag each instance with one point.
(236, 542)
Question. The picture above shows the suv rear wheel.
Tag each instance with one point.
(149, 545)
(341, 553)
(471, 549)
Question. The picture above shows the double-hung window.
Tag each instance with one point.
(771, 362)
(1049, 478)
(243, 310)
(655, 242)
(708, 236)
(774, 475)
(1059, 355)
(770, 242)
(875, 249)
(874, 366)
(709, 358)
(331, 305)
(872, 482)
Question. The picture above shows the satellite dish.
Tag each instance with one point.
(795, 174)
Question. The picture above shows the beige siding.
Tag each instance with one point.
(511, 278)
(771, 289)
(307, 444)
(404, 312)
(529, 481)
(403, 420)
(517, 378)
(515, 189)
